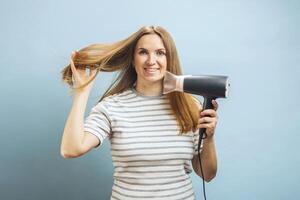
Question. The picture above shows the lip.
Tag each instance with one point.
(151, 70)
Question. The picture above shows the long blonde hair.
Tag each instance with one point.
(118, 56)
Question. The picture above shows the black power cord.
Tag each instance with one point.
(202, 135)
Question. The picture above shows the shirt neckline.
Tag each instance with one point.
(145, 96)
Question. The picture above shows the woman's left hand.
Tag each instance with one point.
(208, 119)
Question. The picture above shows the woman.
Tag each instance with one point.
(153, 136)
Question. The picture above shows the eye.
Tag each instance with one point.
(161, 53)
(142, 52)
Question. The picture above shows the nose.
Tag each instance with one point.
(151, 59)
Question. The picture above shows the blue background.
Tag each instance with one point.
(256, 43)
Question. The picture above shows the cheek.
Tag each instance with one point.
(138, 61)
(163, 64)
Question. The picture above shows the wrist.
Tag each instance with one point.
(209, 139)
(80, 92)
(80, 95)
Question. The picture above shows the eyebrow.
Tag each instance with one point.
(147, 49)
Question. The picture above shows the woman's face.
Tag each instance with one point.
(150, 59)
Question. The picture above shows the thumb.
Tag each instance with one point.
(93, 72)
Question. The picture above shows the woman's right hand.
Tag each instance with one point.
(79, 76)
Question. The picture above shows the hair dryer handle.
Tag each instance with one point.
(207, 104)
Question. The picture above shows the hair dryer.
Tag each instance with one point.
(210, 87)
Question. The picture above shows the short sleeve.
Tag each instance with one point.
(98, 122)
(196, 140)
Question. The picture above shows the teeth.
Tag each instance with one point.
(151, 69)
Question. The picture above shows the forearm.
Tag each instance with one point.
(209, 157)
(208, 160)
(74, 127)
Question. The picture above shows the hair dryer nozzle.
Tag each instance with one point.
(172, 83)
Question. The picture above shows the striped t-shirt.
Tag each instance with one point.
(151, 160)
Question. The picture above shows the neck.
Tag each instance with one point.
(153, 89)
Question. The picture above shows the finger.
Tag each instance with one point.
(93, 72)
(209, 112)
(81, 72)
(73, 54)
(206, 120)
(73, 68)
(207, 126)
(215, 104)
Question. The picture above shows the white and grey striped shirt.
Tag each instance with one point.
(151, 159)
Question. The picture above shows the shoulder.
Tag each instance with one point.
(111, 103)
(116, 99)
(119, 97)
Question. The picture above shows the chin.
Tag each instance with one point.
(154, 79)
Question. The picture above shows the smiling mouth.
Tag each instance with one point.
(151, 70)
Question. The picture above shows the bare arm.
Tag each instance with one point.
(75, 142)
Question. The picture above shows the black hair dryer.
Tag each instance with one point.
(210, 87)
